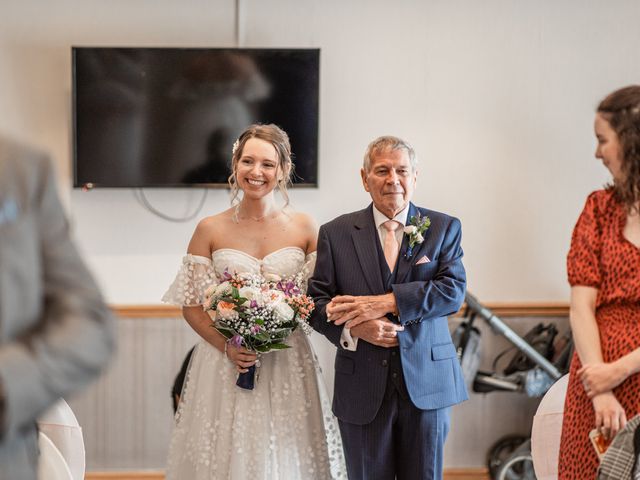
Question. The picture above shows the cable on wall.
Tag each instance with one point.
(238, 31)
(139, 193)
(142, 200)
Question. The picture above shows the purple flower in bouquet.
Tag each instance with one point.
(255, 329)
(289, 288)
(236, 341)
(226, 275)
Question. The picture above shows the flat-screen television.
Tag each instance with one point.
(168, 117)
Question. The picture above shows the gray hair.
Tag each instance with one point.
(388, 143)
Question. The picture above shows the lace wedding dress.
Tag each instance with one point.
(283, 428)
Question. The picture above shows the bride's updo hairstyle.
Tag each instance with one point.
(280, 140)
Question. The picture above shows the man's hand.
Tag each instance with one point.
(378, 331)
(353, 310)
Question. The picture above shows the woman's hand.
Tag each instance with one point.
(241, 357)
(602, 377)
(610, 416)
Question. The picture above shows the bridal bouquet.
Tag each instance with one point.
(258, 313)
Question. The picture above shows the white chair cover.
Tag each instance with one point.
(546, 430)
(61, 426)
(51, 464)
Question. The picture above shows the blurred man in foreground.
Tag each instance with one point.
(56, 333)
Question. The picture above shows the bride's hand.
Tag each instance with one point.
(241, 357)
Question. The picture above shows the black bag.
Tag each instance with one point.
(541, 338)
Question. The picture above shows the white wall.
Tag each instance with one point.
(497, 98)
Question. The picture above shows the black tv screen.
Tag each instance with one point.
(168, 117)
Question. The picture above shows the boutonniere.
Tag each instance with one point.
(415, 230)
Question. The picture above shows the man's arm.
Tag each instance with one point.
(444, 293)
(378, 331)
(74, 337)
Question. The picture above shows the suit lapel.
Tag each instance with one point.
(364, 237)
(405, 261)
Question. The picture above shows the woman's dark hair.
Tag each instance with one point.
(622, 110)
(178, 383)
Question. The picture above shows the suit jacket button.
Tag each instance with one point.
(384, 363)
(345, 344)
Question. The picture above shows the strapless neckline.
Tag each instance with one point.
(260, 260)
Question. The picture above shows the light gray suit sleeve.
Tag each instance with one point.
(63, 334)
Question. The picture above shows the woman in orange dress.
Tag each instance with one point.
(604, 272)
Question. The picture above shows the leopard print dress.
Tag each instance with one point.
(601, 257)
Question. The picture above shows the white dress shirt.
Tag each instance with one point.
(347, 341)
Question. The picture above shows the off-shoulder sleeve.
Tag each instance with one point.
(195, 275)
(583, 260)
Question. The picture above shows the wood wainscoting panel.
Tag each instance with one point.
(500, 309)
(143, 475)
(449, 474)
(147, 311)
(127, 416)
(466, 474)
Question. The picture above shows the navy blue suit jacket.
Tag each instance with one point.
(347, 264)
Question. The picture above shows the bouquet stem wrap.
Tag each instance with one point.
(247, 380)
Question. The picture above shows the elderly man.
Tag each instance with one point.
(385, 280)
(56, 333)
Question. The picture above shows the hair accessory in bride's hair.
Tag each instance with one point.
(236, 144)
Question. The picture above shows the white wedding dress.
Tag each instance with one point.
(283, 428)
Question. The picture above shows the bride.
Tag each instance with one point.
(283, 428)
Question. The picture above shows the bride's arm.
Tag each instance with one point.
(310, 232)
(196, 317)
(310, 228)
(200, 321)
(201, 244)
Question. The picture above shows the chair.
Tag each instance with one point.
(60, 426)
(51, 464)
(546, 431)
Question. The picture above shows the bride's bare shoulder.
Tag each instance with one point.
(209, 230)
(305, 221)
(218, 220)
(308, 227)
